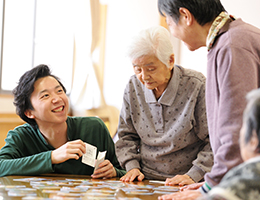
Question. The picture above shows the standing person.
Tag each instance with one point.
(51, 141)
(232, 71)
(163, 126)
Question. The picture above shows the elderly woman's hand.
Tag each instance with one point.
(180, 180)
(131, 175)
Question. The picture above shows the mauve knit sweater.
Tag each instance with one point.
(232, 71)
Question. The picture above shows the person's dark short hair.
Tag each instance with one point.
(22, 92)
(204, 11)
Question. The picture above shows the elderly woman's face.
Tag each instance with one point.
(152, 72)
(243, 146)
(248, 150)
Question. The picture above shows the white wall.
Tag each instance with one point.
(125, 19)
(247, 10)
(134, 15)
(6, 105)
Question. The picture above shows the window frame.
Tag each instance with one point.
(1, 54)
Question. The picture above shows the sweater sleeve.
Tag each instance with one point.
(31, 165)
(204, 161)
(128, 143)
(14, 161)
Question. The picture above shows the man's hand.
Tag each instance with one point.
(131, 175)
(105, 170)
(70, 150)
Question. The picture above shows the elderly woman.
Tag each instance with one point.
(162, 129)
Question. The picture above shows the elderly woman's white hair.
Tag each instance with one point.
(152, 41)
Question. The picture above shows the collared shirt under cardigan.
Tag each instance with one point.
(168, 136)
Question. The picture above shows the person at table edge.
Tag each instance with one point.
(162, 128)
(51, 141)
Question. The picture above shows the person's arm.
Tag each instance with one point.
(204, 161)
(13, 161)
(31, 165)
(128, 143)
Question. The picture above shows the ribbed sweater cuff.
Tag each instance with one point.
(205, 188)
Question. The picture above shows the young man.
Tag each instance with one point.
(233, 70)
(50, 141)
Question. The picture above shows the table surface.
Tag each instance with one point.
(60, 186)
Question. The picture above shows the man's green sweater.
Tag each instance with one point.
(26, 152)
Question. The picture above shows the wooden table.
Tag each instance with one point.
(59, 186)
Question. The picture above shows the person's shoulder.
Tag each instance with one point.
(240, 29)
(22, 130)
(134, 85)
(84, 119)
(24, 127)
(133, 80)
(192, 74)
(241, 181)
(239, 23)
